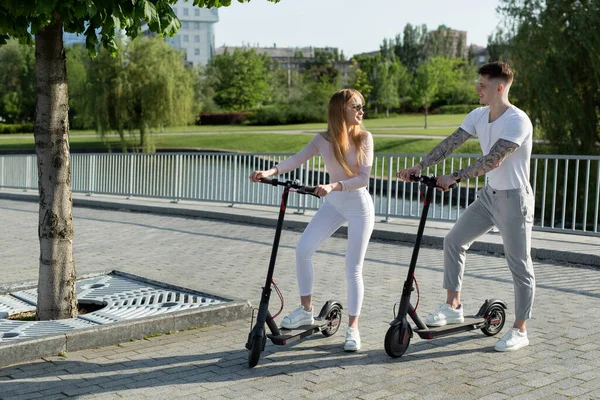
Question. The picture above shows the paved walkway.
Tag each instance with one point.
(563, 360)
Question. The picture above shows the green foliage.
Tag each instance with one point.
(457, 108)
(385, 91)
(359, 80)
(16, 128)
(80, 117)
(17, 82)
(410, 48)
(146, 87)
(289, 114)
(555, 56)
(241, 79)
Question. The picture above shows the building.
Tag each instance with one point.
(292, 58)
(447, 42)
(196, 36)
(73, 39)
(480, 55)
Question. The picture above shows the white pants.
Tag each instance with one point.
(355, 207)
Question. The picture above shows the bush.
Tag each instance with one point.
(16, 128)
(457, 108)
(234, 118)
(288, 114)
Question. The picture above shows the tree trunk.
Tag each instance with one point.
(57, 297)
(426, 109)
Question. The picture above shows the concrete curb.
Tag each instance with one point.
(537, 253)
(14, 352)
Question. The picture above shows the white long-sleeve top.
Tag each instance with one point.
(320, 145)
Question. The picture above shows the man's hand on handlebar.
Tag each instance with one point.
(444, 182)
(405, 174)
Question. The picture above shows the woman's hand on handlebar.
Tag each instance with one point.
(405, 174)
(256, 176)
(324, 190)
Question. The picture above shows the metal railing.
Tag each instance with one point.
(566, 188)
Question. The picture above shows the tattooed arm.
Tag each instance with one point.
(498, 153)
(445, 148)
(439, 153)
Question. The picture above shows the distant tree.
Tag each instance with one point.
(499, 45)
(147, 86)
(411, 49)
(430, 78)
(554, 52)
(241, 79)
(360, 80)
(385, 91)
(45, 20)
(80, 116)
(17, 82)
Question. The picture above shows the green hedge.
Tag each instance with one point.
(288, 114)
(457, 108)
(16, 128)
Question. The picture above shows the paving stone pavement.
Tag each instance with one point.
(563, 360)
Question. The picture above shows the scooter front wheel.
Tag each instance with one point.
(256, 347)
(397, 339)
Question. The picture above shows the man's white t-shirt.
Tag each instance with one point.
(514, 125)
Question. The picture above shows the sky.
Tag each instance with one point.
(353, 26)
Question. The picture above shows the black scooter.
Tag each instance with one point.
(329, 319)
(490, 318)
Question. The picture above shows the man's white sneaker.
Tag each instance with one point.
(512, 340)
(445, 315)
(297, 318)
(352, 339)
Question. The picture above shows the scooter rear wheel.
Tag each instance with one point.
(256, 347)
(495, 317)
(397, 339)
(334, 316)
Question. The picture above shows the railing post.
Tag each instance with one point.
(177, 176)
(131, 164)
(388, 209)
(234, 181)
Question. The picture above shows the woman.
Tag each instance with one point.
(347, 151)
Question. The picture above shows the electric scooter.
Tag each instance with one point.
(490, 318)
(329, 319)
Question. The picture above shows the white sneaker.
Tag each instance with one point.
(297, 318)
(512, 340)
(445, 315)
(352, 339)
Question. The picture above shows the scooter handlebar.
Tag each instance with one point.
(430, 181)
(291, 184)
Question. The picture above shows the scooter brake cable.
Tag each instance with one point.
(280, 298)
(418, 292)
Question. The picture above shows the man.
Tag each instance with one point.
(505, 135)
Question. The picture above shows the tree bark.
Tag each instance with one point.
(57, 297)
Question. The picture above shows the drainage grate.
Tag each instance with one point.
(123, 299)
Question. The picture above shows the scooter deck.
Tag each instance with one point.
(290, 335)
(470, 323)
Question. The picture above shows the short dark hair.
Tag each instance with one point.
(497, 69)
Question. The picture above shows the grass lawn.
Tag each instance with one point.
(246, 138)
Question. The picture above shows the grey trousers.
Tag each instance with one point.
(511, 211)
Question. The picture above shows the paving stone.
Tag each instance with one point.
(211, 362)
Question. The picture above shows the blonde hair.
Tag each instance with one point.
(338, 133)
